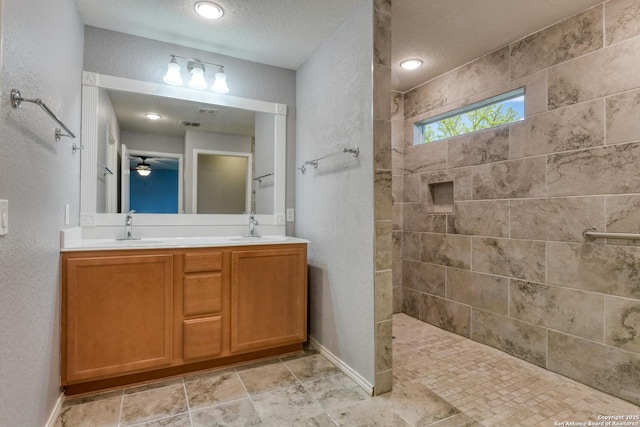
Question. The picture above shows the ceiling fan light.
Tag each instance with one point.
(220, 83)
(173, 73)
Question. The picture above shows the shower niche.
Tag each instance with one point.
(440, 197)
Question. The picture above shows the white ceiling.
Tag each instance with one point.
(443, 33)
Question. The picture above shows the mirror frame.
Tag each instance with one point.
(93, 82)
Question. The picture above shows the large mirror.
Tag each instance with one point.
(216, 156)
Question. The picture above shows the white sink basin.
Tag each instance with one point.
(258, 239)
(122, 243)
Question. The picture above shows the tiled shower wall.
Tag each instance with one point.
(505, 262)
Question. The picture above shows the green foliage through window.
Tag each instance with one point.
(492, 112)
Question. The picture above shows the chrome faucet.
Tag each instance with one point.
(128, 225)
(252, 226)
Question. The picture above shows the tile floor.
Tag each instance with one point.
(440, 380)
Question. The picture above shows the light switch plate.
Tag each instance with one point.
(291, 216)
(4, 217)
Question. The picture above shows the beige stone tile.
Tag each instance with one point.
(384, 353)
(480, 218)
(485, 73)
(397, 106)
(461, 179)
(564, 129)
(382, 195)
(411, 302)
(384, 382)
(381, 92)
(312, 368)
(622, 317)
(621, 20)
(602, 73)
(182, 420)
(397, 160)
(70, 401)
(582, 360)
(623, 214)
(623, 111)
(521, 259)
(483, 291)
(448, 315)
(556, 219)
(396, 216)
(411, 245)
(382, 145)
(264, 378)
(210, 389)
(416, 217)
(425, 157)
(575, 173)
(480, 147)
(411, 188)
(383, 245)
(153, 404)
(383, 295)
(561, 42)
(418, 405)
(424, 277)
(336, 392)
(397, 299)
(381, 35)
(517, 338)
(322, 420)
(371, 413)
(459, 420)
(155, 385)
(102, 411)
(396, 240)
(446, 249)
(397, 189)
(510, 179)
(286, 406)
(575, 312)
(612, 270)
(238, 413)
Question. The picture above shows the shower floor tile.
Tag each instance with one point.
(440, 380)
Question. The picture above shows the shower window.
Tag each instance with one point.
(492, 112)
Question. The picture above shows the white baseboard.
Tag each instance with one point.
(366, 385)
(56, 411)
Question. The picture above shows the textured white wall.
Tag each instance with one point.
(41, 56)
(335, 202)
(265, 163)
(122, 55)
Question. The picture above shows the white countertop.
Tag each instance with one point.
(70, 245)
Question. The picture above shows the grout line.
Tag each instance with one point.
(121, 407)
(186, 395)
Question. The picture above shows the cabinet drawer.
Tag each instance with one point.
(202, 261)
(202, 337)
(202, 294)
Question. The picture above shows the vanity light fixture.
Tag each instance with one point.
(410, 64)
(153, 116)
(209, 10)
(196, 69)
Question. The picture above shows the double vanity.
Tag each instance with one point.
(136, 310)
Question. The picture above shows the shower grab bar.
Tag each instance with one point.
(17, 100)
(592, 233)
(355, 152)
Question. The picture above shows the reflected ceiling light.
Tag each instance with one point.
(209, 10)
(411, 64)
(197, 70)
(153, 116)
(173, 73)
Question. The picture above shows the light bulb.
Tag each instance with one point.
(220, 83)
(173, 73)
(197, 78)
(411, 64)
(209, 10)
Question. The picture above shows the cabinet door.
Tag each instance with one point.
(118, 315)
(268, 298)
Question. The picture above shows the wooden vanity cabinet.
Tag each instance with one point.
(116, 313)
(132, 315)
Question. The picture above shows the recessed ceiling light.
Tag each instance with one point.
(153, 116)
(209, 10)
(411, 64)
